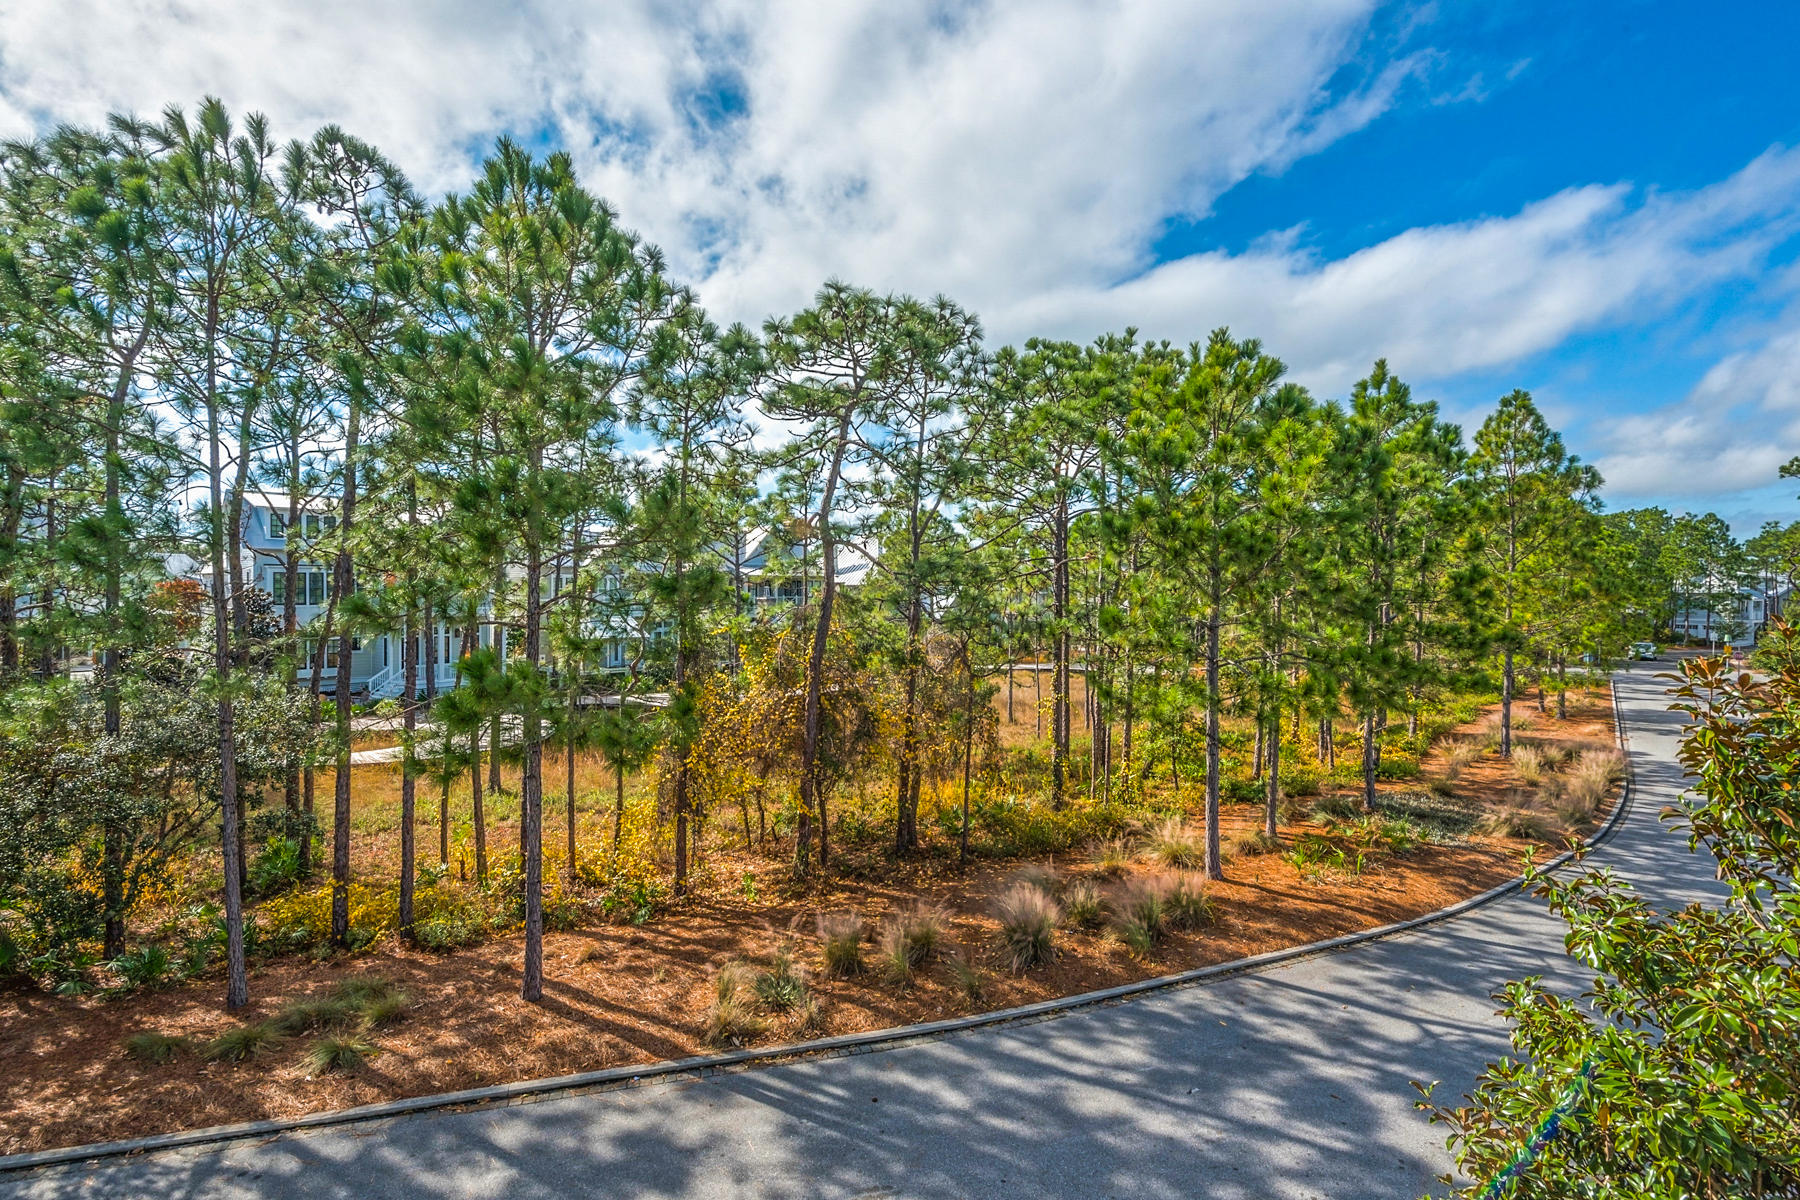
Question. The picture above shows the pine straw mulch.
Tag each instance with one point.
(617, 994)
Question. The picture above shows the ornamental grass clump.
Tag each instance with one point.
(306, 1016)
(1082, 906)
(1458, 757)
(1515, 821)
(840, 936)
(244, 1042)
(732, 1019)
(970, 979)
(339, 1052)
(1529, 762)
(1113, 858)
(1172, 845)
(1252, 843)
(1027, 919)
(156, 1048)
(1185, 902)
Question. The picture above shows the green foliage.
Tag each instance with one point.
(144, 967)
(158, 1049)
(782, 988)
(244, 1042)
(1677, 1073)
(306, 1016)
(277, 867)
(339, 1052)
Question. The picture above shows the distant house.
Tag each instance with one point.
(1738, 624)
(772, 571)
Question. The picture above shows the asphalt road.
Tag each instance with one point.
(1288, 1082)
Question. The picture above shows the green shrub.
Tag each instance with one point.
(1241, 791)
(1397, 765)
(1302, 780)
(144, 967)
(276, 868)
(782, 988)
(1667, 1069)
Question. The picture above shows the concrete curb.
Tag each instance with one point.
(615, 1077)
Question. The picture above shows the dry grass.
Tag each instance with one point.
(1515, 821)
(1587, 782)
(1528, 762)
(1082, 906)
(840, 934)
(732, 1020)
(1113, 858)
(1027, 917)
(1173, 845)
(1458, 756)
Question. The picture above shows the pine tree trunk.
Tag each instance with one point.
(531, 784)
(1214, 867)
(812, 796)
(409, 672)
(343, 582)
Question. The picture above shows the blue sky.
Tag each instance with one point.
(1599, 202)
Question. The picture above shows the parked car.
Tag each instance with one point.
(1645, 651)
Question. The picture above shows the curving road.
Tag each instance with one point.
(1288, 1082)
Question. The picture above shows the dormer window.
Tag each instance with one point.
(277, 524)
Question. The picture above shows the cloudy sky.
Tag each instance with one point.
(1598, 202)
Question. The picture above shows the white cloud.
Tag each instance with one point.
(986, 150)
(1445, 299)
(1728, 436)
(1019, 155)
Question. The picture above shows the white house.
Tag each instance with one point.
(1741, 625)
(774, 572)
